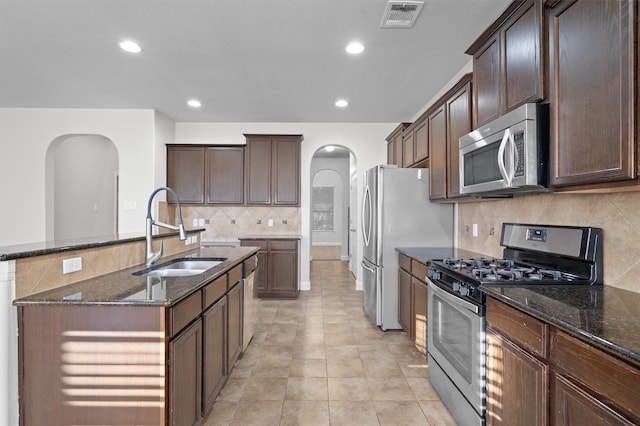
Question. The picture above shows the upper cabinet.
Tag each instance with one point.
(185, 173)
(449, 119)
(394, 145)
(593, 93)
(272, 169)
(206, 174)
(508, 66)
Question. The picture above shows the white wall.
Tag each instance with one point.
(25, 135)
(365, 140)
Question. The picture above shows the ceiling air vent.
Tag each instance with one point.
(401, 14)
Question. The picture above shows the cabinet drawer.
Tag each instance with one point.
(235, 275)
(605, 375)
(184, 312)
(521, 328)
(284, 244)
(404, 262)
(214, 291)
(418, 270)
(250, 264)
(263, 244)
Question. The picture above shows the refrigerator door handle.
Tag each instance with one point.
(366, 234)
(364, 265)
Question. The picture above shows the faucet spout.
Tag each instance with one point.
(152, 256)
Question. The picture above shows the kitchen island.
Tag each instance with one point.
(121, 348)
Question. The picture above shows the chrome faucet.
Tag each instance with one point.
(151, 257)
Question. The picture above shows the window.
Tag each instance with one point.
(322, 208)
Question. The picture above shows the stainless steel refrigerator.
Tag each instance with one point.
(396, 212)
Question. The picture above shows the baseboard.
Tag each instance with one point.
(359, 285)
(305, 285)
(327, 244)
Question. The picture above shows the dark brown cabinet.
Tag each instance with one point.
(412, 300)
(449, 119)
(408, 146)
(186, 173)
(394, 145)
(517, 371)
(171, 361)
(185, 372)
(508, 64)
(593, 92)
(206, 174)
(214, 361)
(537, 374)
(272, 169)
(405, 301)
(225, 175)
(277, 273)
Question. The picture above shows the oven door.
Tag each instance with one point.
(455, 340)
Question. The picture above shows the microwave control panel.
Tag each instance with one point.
(518, 139)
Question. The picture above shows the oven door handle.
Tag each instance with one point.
(454, 300)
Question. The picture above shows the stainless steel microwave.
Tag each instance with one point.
(507, 155)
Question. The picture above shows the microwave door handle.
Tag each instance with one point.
(501, 163)
(513, 157)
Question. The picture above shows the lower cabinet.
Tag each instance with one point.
(277, 273)
(412, 300)
(171, 361)
(185, 370)
(536, 374)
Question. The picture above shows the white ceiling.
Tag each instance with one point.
(245, 60)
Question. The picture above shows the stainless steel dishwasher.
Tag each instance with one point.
(250, 302)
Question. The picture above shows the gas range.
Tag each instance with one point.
(533, 255)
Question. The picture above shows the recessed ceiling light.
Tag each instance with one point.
(341, 103)
(194, 103)
(329, 148)
(355, 48)
(130, 46)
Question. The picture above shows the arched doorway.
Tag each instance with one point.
(81, 187)
(334, 170)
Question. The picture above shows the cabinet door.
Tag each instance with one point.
(185, 375)
(486, 83)
(408, 157)
(523, 70)
(234, 325)
(421, 141)
(404, 301)
(420, 296)
(398, 148)
(517, 384)
(258, 170)
(592, 85)
(286, 171)
(214, 358)
(438, 154)
(573, 406)
(185, 174)
(283, 268)
(458, 125)
(225, 175)
(391, 153)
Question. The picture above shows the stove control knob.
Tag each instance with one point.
(456, 286)
(464, 290)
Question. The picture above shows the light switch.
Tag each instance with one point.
(475, 230)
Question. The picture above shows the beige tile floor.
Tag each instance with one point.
(318, 360)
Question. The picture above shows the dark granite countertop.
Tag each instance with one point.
(604, 316)
(123, 288)
(425, 254)
(60, 246)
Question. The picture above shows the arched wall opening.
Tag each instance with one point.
(81, 187)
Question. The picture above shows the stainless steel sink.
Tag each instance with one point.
(180, 267)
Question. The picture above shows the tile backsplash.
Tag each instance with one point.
(618, 214)
(227, 224)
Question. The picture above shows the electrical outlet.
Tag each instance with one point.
(200, 222)
(71, 265)
(195, 222)
(475, 230)
(270, 223)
